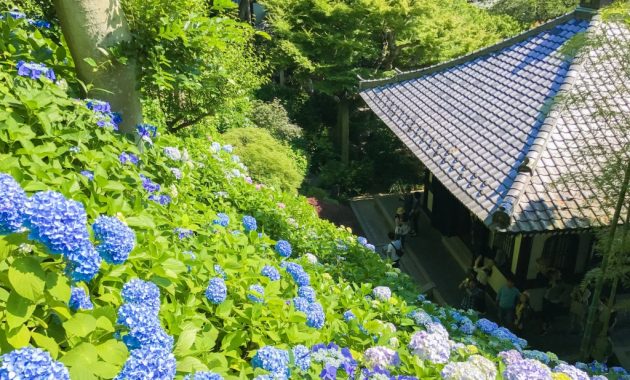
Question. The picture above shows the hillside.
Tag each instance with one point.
(155, 256)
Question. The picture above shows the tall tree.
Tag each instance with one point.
(91, 27)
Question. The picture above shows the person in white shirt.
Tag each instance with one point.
(393, 251)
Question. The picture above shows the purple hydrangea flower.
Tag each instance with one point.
(35, 70)
(12, 204)
(510, 356)
(79, 299)
(161, 199)
(116, 239)
(183, 233)
(31, 363)
(382, 293)
(216, 292)
(571, 371)
(381, 357)
(270, 272)
(173, 153)
(177, 173)
(149, 185)
(432, 345)
(526, 369)
(146, 132)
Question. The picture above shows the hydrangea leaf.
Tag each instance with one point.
(105, 370)
(113, 351)
(224, 309)
(80, 325)
(58, 287)
(191, 364)
(27, 278)
(185, 341)
(47, 343)
(19, 309)
(141, 221)
(19, 336)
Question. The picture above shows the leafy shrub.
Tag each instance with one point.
(273, 117)
(269, 160)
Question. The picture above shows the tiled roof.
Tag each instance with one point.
(490, 128)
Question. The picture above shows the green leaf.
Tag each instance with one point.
(141, 221)
(90, 61)
(47, 343)
(185, 341)
(224, 309)
(58, 287)
(81, 357)
(19, 310)
(113, 351)
(19, 337)
(80, 325)
(105, 370)
(191, 364)
(27, 278)
(104, 323)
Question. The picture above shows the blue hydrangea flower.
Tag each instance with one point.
(302, 357)
(315, 316)
(228, 148)
(215, 147)
(204, 375)
(31, 363)
(173, 153)
(361, 240)
(382, 293)
(88, 174)
(183, 233)
(571, 371)
(142, 292)
(12, 204)
(35, 70)
(222, 220)
(148, 363)
(467, 326)
(486, 325)
(301, 304)
(371, 247)
(116, 239)
(307, 292)
(270, 272)
(216, 292)
(16, 15)
(146, 132)
(161, 199)
(56, 222)
(348, 315)
(148, 335)
(84, 264)
(283, 248)
(130, 158)
(149, 185)
(79, 299)
(535, 354)
(298, 273)
(39, 23)
(249, 223)
(272, 359)
(432, 345)
(256, 293)
(98, 105)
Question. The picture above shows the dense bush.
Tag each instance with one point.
(268, 159)
(273, 117)
(534, 11)
(150, 261)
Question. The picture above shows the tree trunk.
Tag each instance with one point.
(90, 25)
(245, 11)
(343, 129)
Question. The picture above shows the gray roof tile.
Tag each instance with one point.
(473, 123)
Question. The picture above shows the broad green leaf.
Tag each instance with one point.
(58, 286)
(82, 356)
(141, 221)
(185, 341)
(19, 310)
(224, 309)
(80, 325)
(105, 370)
(27, 278)
(19, 337)
(191, 364)
(46, 343)
(113, 351)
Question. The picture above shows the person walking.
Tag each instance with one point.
(506, 300)
(393, 251)
(402, 229)
(474, 299)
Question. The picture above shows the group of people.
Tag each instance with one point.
(406, 224)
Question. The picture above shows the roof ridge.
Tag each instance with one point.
(413, 74)
(505, 208)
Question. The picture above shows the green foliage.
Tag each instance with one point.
(273, 117)
(195, 61)
(534, 11)
(268, 159)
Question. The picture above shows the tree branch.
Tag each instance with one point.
(187, 123)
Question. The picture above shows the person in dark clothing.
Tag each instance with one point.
(408, 201)
(474, 298)
(414, 214)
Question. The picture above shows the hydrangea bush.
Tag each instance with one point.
(145, 272)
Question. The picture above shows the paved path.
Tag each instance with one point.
(426, 258)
